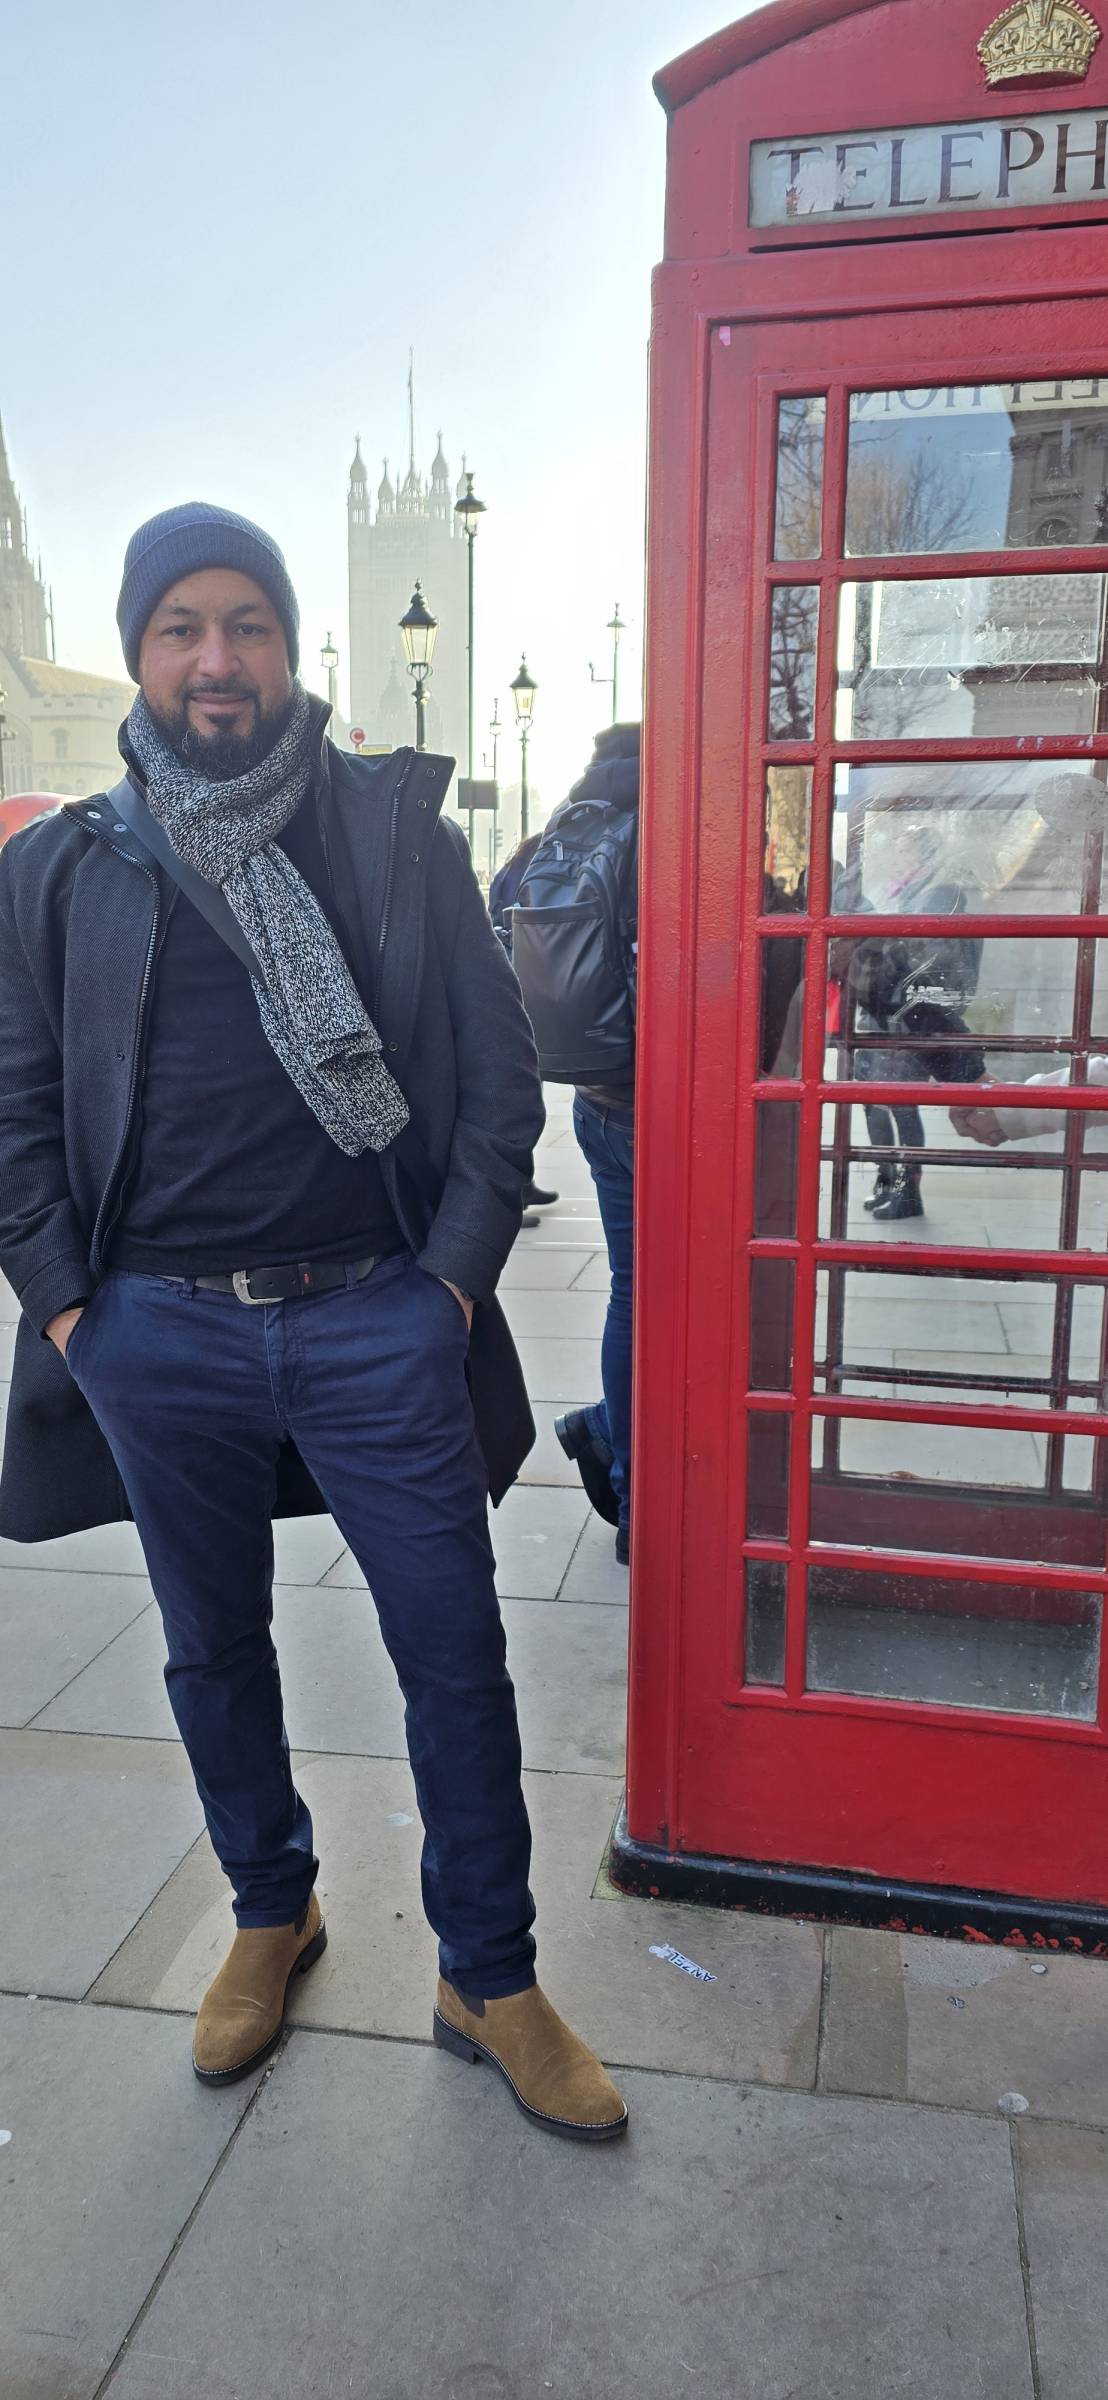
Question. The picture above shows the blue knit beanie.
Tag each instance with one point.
(183, 540)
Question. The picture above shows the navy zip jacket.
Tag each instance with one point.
(82, 911)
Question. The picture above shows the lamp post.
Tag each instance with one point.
(469, 510)
(495, 731)
(524, 688)
(615, 627)
(419, 628)
(329, 658)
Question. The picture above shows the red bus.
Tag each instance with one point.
(22, 809)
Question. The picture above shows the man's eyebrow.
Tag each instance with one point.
(241, 608)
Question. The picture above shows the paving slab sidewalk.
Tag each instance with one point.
(819, 2193)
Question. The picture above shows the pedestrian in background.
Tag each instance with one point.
(503, 892)
(575, 931)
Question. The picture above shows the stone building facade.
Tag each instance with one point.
(58, 725)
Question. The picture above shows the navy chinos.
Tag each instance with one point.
(195, 1393)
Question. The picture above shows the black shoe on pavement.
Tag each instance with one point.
(528, 1223)
(593, 1461)
(903, 1199)
(623, 1545)
(881, 1190)
(536, 1198)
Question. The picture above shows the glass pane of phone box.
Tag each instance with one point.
(1012, 1648)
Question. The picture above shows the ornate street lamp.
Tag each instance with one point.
(523, 693)
(329, 659)
(469, 511)
(419, 629)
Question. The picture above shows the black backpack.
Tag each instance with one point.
(573, 940)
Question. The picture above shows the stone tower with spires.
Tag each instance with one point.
(409, 532)
(24, 612)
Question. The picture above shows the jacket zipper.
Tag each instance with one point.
(390, 869)
(99, 1229)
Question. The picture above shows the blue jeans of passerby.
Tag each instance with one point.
(607, 1137)
(195, 1393)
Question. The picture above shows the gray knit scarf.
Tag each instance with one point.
(312, 1015)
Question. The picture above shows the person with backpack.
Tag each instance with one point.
(503, 891)
(504, 888)
(574, 931)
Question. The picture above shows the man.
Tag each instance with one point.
(575, 947)
(255, 1214)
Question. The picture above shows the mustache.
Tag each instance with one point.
(221, 691)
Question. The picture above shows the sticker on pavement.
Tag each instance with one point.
(677, 1958)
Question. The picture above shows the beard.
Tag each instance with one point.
(221, 757)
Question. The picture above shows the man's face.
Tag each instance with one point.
(214, 671)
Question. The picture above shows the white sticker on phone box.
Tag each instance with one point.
(676, 1958)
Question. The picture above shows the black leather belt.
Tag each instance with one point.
(259, 1287)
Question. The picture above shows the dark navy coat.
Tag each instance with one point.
(82, 912)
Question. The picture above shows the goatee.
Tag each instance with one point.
(222, 757)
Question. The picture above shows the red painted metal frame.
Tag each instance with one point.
(927, 1794)
(804, 67)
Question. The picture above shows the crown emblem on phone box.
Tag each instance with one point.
(1039, 41)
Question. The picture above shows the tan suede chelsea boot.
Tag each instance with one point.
(242, 2013)
(551, 2074)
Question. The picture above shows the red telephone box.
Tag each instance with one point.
(869, 1661)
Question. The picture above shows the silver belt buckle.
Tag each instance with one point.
(240, 1281)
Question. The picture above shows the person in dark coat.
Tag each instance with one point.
(503, 893)
(268, 1102)
(599, 1438)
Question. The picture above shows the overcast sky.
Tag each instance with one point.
(224, 225)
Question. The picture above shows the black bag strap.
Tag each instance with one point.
(128, 801)
(129, 804)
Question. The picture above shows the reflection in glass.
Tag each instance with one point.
(782, 1004)
(776, 1133)
(1009, 1647)
(955, 1008)
(765, 1621)
(965, 1340)
(997, 837)
(964, 1326)
(1079, 1460)
(1008, 1198)
(767, 1490)
(1020, 466)
(958, 1009)
(976, 1494)
(957, 1455)
(799, 514)
(792, 674)
(901, 1012)
(980, 656)
(1092, 1215)
(771, 1324)
(788, 834)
